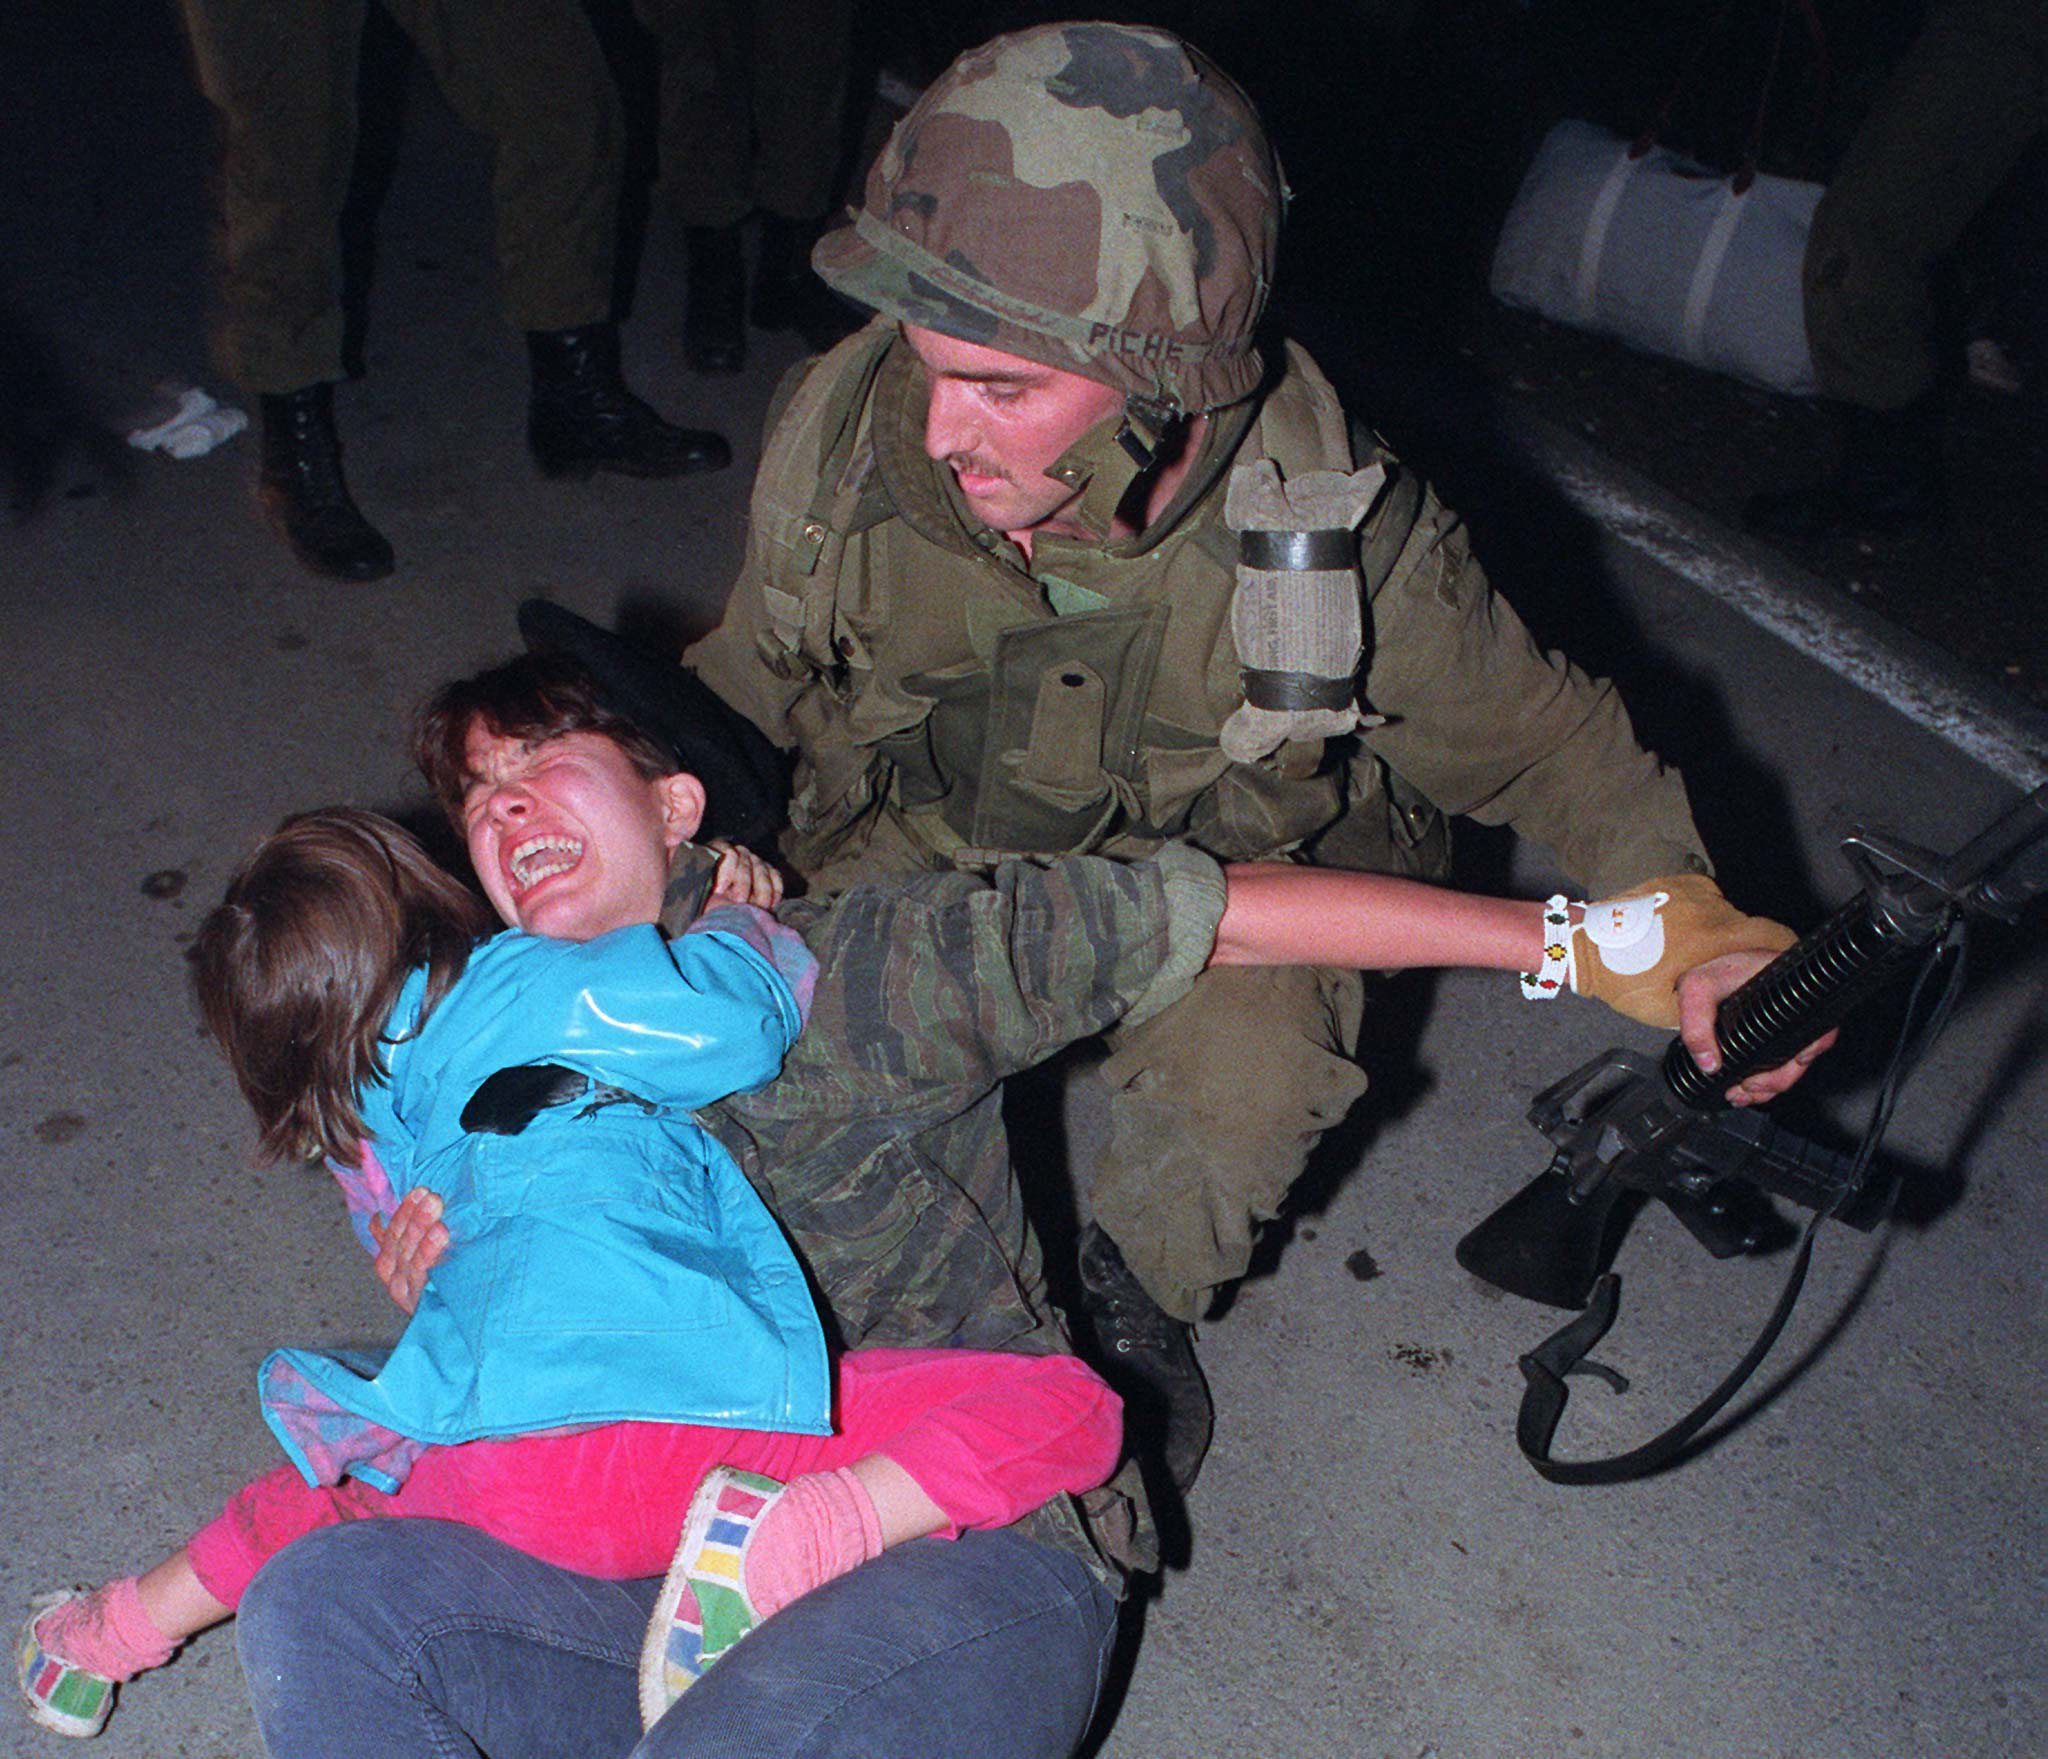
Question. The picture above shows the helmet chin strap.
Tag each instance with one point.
(1110, 457)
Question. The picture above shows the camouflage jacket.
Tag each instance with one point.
(881, 1146)
(914, 661)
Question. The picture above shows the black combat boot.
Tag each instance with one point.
(1148, 1358)
(1890, 480)
(788, 295)
(304, 493)
(583, 419)
(714, 321)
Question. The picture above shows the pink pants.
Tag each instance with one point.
(988, 1436)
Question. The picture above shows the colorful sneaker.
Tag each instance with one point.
(65, 1699)
(703, 1609)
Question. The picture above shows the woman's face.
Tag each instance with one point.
(568, 838)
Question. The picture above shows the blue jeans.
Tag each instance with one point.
(408, 1639)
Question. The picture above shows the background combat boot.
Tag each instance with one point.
(1148, 1358)
(583, 419)
(303, 491)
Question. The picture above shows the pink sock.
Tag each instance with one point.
(106, 1632)
(823, 1525)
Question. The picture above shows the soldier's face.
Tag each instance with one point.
(998, 421)
(568, 838)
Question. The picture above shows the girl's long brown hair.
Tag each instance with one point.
(298, 967)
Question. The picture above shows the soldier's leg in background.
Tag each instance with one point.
(707, 153)
(707, 165)
(529, 76)
(803, 64)
(1943, 133)
(283, 80)
(1215, 1105)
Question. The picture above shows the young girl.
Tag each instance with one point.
(620, 1346)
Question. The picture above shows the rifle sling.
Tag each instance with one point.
(1563, 1353)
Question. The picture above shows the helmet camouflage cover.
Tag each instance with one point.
(1096, 197)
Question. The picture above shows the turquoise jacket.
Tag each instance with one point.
(608, 1260)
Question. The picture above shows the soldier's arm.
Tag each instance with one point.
(940, 986)
(1491, 727)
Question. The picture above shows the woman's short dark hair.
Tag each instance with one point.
(299, 966)
(533, 698)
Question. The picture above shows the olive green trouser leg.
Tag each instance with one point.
(1215, 1105)
(283, 79)
(753, 102)
(1945, 130)
(526, 73)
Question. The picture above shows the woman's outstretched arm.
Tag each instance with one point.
(1277, 914)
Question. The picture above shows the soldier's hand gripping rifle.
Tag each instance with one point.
(1662, 1127)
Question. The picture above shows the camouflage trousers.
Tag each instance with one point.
(753, 105)
(526, 74)
(1947, 127)
(1215, 1104)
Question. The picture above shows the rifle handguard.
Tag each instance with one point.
(1630, 952)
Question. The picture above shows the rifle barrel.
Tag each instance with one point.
(2007, 862)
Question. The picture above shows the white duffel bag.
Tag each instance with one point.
(1663, 254)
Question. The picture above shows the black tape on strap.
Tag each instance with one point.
(1296, 690)
(1298, 552)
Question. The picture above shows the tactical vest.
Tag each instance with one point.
(962, 710)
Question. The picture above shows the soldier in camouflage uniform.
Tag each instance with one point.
(1056, 556)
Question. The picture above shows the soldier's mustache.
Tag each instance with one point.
(965, 464)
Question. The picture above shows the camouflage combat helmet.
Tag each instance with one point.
(1096, 197)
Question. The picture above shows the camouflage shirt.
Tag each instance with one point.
(881, 1146)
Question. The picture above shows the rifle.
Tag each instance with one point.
(1662, 1127)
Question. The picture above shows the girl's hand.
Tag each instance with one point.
(743, 877)
(409, 1245)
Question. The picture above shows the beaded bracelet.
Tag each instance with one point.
(1555, 974)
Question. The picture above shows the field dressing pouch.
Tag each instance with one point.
(1297, 611)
